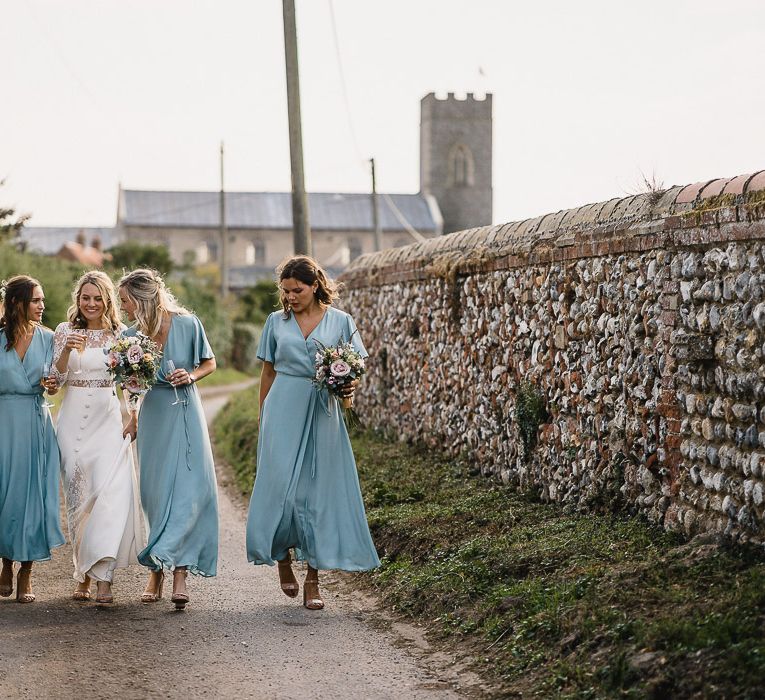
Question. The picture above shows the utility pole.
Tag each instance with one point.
(223, 232)
(376, 210)
(301, 231)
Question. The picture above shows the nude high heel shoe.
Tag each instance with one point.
(180, 599)
(24, 583)
(82, 592)
(311, 597)
(7, 588)
(287, 581)
(153, 593)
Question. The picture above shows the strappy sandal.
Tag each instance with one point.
(7, 589)
(27, 597)
(314, 602)
(180, 599)
(104, 598)
(82, 594)
(153, 595)
(287, 581)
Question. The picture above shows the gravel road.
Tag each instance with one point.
(240, 637)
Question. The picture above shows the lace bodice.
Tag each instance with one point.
(91, 360)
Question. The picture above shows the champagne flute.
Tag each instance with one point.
(171, 367)
(46, 372)
(80, 350)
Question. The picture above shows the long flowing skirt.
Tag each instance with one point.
(306, 492)
(179, 494)
(29, 475)
(99, 483)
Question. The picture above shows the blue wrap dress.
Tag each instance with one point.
(306, 492)
(179, 494)
(29, 455)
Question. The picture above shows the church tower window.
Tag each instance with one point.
(461, 167)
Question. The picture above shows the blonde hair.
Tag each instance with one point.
(152, 299)
(108, 293)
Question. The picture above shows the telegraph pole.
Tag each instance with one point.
(301, 231)
(376, 210)
(223, 233)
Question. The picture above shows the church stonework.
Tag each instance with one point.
(455, 158)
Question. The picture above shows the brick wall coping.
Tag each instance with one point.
(703, 213)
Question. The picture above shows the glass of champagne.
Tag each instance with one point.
(80, 350)
(171, 367)
(46, 372)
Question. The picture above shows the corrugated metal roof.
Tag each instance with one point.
(49, 239)
(272, 210)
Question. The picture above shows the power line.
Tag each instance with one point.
(344, 87)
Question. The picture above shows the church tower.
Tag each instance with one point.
(455, 158)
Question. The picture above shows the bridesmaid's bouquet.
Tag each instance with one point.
(133, 362)
(336, 367)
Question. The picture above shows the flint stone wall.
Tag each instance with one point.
(640, 320)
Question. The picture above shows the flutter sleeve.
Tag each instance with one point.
(59, 341)
(355, 337)
(202, 349)
(267, 344)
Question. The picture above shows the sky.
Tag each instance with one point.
(589, 96)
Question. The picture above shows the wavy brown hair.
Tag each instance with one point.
(17, 295)
(307, 271)
(105, 287)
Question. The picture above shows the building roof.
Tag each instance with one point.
(83, 254)
(49, 239)
(273, 210)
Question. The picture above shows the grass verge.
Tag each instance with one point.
(224, 376)
(548, 604)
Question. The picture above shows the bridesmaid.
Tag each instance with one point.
(178, 489)
(96, 460)
(306, 492)
(29, 456)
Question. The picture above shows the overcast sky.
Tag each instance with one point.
(587, 95)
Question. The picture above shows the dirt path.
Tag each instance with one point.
(240, 637)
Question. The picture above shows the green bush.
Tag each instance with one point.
(235, 432)
(257, 302)
(130, 255)
(56, 276)
(244, 346)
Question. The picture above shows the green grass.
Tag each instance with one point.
(235, 434)
(548, 604)
(224, 376)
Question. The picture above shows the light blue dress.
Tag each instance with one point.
(306, 492)
(29, 456)
(178, 490)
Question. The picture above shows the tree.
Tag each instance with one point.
(10, 223)
(132, 254)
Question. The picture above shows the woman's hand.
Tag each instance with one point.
(349, 389)
(51, 386)
(74, 341)
(131, 429)
(180, 377)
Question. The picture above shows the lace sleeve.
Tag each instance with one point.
(59, 341)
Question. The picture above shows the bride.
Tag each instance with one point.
(96, 456)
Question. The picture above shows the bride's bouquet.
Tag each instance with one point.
(133, 362)
(337, 367)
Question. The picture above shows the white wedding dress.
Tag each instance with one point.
(97, 466)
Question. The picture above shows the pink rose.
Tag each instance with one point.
(134, 354)
(112, 360)
(340, 368)
(133, 385)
